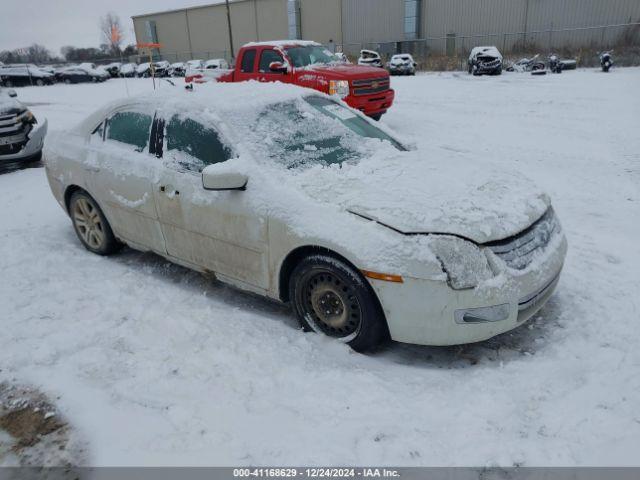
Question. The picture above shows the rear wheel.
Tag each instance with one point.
(8, 83)
(39, 82)
(330, 297)
(90, 224)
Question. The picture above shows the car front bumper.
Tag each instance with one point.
(35, 142)
(430, 312)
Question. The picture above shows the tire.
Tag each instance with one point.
(91, 226)
(67, 81)
(376, 117)
(8, 83)
(322, 281)
(39, 82)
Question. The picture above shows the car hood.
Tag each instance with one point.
(344, 71)
(468, 198)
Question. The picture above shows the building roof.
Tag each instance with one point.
(194, 7)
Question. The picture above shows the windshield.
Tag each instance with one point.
(317, 130)
(310, 55)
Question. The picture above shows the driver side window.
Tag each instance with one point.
(191, 146)
(266, 58)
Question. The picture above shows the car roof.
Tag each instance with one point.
(284, 43)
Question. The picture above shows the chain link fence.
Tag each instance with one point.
(450, 52)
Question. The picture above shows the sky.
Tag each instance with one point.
(56, 23)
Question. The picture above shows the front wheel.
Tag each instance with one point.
(330, 297)
(91, 226)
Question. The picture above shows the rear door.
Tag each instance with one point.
(122, 175)
(217, 231)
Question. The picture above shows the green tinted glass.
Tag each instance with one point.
(131, 128)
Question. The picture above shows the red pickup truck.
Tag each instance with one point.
(311, 65)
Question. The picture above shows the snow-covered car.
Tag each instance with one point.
(370, 58)
(194, 67)
(485, 61)
(177, 69)
(23, 75)
(402, 64)
(113, 68)
(128, 70)
(21, 135)
(216, 63)
(291, 194)
(143, 70)
(341, 57)
(161, 68)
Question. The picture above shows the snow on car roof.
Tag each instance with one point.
(218, 98)
(490, 51)
(284, 43)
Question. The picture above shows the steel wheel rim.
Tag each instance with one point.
(88, 223)
(331, 306)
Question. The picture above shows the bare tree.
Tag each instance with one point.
(111, 31)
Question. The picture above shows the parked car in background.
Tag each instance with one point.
(143, 70)
(402, 64)
(385, 246)
(113, 69)
(310, 64)
(161, 68)
(21, 135)
(128, 70)
(485, 61)
(533, 64)
(342, 57)
(20, 76)
(216, 64)
(177, 69)
(193, 66)
(370, 58)
(80, 75)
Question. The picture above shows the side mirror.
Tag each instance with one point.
(212, 180)
(278, 67)
(12, 93)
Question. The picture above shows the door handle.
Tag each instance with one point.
(168, 190)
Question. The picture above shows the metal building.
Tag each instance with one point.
(432, 26)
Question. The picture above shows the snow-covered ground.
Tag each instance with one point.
(152, 364)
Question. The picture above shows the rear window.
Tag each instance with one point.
(131, 128)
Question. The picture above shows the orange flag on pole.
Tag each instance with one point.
(115, 34)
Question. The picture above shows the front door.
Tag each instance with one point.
(122, 174)
(217, 231)
(267, 57)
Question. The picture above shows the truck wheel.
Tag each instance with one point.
(91, 226)
(328, 296)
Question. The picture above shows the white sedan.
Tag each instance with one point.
(291, 194)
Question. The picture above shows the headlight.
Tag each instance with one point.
(339, 88)
(464, 263)
(26, 117)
